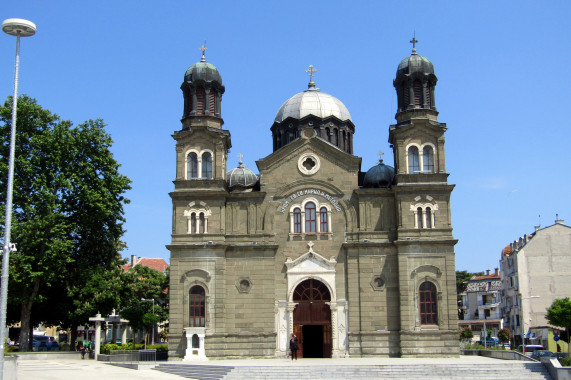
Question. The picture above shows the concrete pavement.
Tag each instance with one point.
(94, 370)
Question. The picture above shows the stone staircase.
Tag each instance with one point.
(508, 370)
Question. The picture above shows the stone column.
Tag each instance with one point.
(97, 319)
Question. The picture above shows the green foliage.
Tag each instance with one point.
(505, 335)
(565, 361)
(107, 348)
(143, 285)
(559, 314)
(466, 334)
(68, 213)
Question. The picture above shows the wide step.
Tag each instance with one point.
(504, 371)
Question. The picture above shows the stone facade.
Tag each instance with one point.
(354, 263)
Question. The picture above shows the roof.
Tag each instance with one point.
(153, 263)
(312, 102)
(484, 283)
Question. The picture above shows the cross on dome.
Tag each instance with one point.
(240, 155)
(203, 49)
(380, 156)
(311, 70)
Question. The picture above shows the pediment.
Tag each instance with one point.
(316, 145)
(310, 262)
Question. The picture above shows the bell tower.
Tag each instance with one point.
(202, 144)
(425, 245)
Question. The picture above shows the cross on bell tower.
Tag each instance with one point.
(413, 42)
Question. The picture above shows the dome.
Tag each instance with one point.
(241, 177)
(202, 71)
(312, 102)
(380, 175)
(415, 64)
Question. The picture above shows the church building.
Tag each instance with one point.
(353, 262)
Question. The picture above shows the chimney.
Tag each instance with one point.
(487, 272)
(557, 220)
(133, 260)
(496, 271)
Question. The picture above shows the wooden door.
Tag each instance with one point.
(298, 331)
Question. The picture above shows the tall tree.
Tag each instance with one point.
(559, 314)
(146, 302)
(68, 204)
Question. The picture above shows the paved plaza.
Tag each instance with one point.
(94, 370)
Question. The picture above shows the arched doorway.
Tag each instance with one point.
(312, 319)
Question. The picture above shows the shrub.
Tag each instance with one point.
(565, 361)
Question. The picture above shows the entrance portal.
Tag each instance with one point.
(312, 319)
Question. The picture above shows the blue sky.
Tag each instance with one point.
(503, 90)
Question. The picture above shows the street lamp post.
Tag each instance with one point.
(523, 322)
(19, 28)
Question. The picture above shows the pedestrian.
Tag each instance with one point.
(82, 349)
(293, 346)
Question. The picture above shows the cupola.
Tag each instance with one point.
(415, 82)
(318, 110)
(202, 89)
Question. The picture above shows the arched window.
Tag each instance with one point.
(206, 165)
(428, 95)
(310, 217)
(428, 159)
(200, 100)
(323, 222)
(201, 224)
(428, 310)
(334, 137)
(197, 307)
(191, 166)
(419, 217)
(413, 163)
(417, 85)
(428, 214)
(328, 134)
(297, 221)
(193, 223)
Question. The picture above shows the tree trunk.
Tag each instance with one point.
(26, 329)
(73, 335)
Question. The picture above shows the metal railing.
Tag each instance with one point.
(133, 356)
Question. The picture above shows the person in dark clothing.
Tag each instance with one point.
(293, 346)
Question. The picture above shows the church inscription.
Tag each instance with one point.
(301, 193)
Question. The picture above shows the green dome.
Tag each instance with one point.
(415, 64)
(202, 71)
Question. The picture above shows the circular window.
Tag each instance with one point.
(308, 163)
(244, 285)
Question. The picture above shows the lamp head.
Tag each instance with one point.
(19, 27)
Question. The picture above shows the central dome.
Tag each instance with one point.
(312, 102)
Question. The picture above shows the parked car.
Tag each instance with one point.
(44, 343)
(490, 342)
(537, 354)
(530, 348)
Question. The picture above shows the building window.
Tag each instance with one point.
(297, 221)
(335, 137)
(428, 159)
(199, 165)
(323, 220)
(424, 215)
(413, 163)
(428, 311)
(428, 216)
(419, 217)
(197, 307)
(207, 165)
(192, 166)
(417, 85)
(310, 217)
(197, 219)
